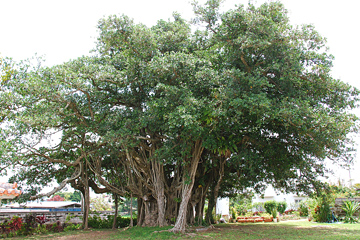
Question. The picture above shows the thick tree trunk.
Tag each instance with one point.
(161, 208)
(158, 181)
(116, 210)
(202, 192)
(217, 186)
(86, 208)
(173, 194)
(214, 192)
(180, 223)
(141, 212)
(171, 206)
(190, 214)
(85, 183)
(187, 186)
(209, 219)
(80, 185)
(199, 209)
(151, 213)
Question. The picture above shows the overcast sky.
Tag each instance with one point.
(64, 30)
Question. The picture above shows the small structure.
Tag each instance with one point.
(9, 190)
(222, 208)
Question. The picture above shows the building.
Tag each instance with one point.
(222, 207)
(291, 199)
(46, 206)
(9, 190)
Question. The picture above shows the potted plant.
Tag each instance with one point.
(274, 214)
(233, 215)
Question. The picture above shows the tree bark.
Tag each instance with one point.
(190, 214)
(180, 223)
(86, 207)
(217, 186)
(173, 194)
(199, 209)
(151, 213)
(140, 219)
(189, 175)
(209, 219)
(116, 210)
(161, 208)
(158, 181)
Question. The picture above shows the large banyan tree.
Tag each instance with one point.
(174, 116)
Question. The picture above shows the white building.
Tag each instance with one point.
(222, 207)
(291, 199)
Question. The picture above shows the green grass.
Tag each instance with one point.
(146, 233)
(282, 230)
(287, 230)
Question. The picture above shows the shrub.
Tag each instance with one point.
(290, 211)
(265, 215)
(233, 213)
(249, 214)
(258, 213)
(350, 209)
(11, 228)
(242, 209)
(29, 225)
(296, 213)
(15, 223)
(259, 206)
(121, 222)
(33, 225)
(41, 219)
(306, 206)
(40, 229)
(270, 206)
(322, 212)
(71, 227)
(281, 207)
(303, 209)
(55, 227)
(97, 222)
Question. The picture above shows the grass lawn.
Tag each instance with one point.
(282, 230)
(286, 230)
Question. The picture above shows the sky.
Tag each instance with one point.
(66, 29)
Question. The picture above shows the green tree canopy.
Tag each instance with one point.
(171, 115)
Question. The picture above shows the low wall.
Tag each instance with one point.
(339, 203)
(51, 217)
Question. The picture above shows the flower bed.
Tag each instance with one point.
(254, 219)
(290, 217)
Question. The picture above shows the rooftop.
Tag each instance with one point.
(9, 190)
(46, 204)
